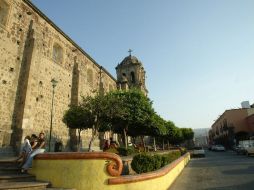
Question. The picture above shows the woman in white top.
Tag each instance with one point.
(38, 149)
(26, 149)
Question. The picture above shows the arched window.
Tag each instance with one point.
(57, 53)
(4, 10)
(132, 77)
(90, 77)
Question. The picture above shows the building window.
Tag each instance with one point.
(132, 77)
(57, 53)
(4, 11)
(90, 77)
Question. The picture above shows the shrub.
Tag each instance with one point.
(164, 160)
(122, 151)
(156, 162)
(183, 151)
(126, 152)
(174, 155)
(142, 163)
(112, 150)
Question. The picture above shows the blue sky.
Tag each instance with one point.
(198, 54)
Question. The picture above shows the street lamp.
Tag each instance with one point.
(54, 82)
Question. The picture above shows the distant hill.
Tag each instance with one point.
(200, 131)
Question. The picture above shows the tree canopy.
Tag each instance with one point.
(128, 112)
(78, 117)
(124, 112)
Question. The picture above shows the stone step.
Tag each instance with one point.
(9, 162)
(24, 186)
(9, 170)
(6, 152)
(16, 178)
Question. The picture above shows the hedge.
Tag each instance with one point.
(123, 151)
(143, 163)
(126, 152)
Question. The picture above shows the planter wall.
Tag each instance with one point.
(96, 171)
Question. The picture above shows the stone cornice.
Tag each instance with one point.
(31, 5)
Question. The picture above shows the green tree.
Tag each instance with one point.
(96, 106)
(129, 112)
(171, 131)
(188, 133)
(157, 129)
(178, 138)
(77, 117)
(87, 115)
(114, 114)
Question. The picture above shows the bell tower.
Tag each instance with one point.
(131, 74)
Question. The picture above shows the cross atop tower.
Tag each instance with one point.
(130, 51)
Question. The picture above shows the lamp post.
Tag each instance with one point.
(54, 82)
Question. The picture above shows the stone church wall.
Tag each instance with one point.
(33, 52)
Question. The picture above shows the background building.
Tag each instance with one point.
(232, 126)
(201, 136)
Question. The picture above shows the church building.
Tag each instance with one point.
(43, 71)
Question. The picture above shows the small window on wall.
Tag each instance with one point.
(90, 77)
(57, 53)
(4, 10)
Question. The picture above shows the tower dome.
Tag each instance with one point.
(131, 74)
(130, 60)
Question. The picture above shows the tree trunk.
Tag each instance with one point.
(154, 144)
(125, 138)
(79, 139)
(163, 144)
(143, 142)
(92, 139)
(120, 139)
(168, 145)
(134, 141)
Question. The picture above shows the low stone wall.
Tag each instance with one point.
(97, 171)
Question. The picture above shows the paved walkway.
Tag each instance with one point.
(217, 171)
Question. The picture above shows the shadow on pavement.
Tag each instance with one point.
(249, 170)
(240, 160)
(246, 186)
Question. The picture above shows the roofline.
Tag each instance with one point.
(39, 12)
(237, 109)
(218, 118)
